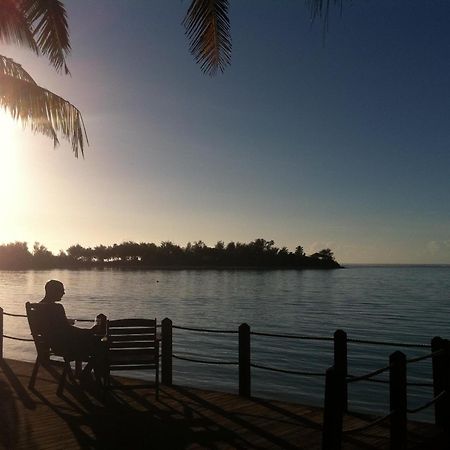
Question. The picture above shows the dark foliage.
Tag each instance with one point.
(256, 254)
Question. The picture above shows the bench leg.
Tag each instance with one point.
(78, 368)
(34, 374)
(62, 379)
(157, 382)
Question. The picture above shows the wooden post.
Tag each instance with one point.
(166, 352)
(340, 361)
(438, 362)
(398, 401)
(333, 411)
(244, 361)
(446, 397)
(1, 333)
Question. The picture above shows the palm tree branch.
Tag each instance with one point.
(11, 68)
(44, 111)
(207, 27)
(50, 29)
(15, 28)
(321, 8)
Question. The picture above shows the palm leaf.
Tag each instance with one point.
(13, 69)
(44, 111)
(50, 29)
(321, 8)
(208, 29)
(15, 28)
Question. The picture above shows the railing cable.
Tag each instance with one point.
(204, 361)
(367, 426)
(421, 358)
(426, 405)
(17, 339)
(204, 330)
(390, 344)
(24, 316)
(292, 372)
(286, 336)
(14, 315)
(367, 376)
(293, 336)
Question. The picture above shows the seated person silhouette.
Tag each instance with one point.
(77, 343)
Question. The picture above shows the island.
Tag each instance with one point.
(257, 254)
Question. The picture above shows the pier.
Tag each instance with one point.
(181, 418)
(186, 417)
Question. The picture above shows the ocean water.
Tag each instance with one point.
(409, 304)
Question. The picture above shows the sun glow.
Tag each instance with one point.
(8, 128)
(8, 149)
(8, 170)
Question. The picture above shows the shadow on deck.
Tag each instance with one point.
(182, 418)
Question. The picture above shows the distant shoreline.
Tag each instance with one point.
(259, 254)
(397, 265)
(174, 268)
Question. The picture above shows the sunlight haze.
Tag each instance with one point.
(341, 144)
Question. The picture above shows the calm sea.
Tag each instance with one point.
(408, 304)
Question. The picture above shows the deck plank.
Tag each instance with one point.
(183, 418)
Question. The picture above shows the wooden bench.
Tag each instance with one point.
(45, 354)
(132, 345)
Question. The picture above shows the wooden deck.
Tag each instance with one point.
(183, 418)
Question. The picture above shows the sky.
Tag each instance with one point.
(338, 141)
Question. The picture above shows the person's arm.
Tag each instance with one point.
(64, 318)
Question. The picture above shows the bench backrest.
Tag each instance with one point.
(132, 344)
(35, 323)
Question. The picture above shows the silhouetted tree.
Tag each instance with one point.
(149, 253)
(78, 253)
(220, 246)
(101, 253)
(42, 257)
(255, 254)
(326, 255)
(15, 256)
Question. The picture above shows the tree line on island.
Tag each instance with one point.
(255, 254)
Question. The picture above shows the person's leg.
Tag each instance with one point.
(92, 346)
(84, 343)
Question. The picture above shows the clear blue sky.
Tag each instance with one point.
(341, 144)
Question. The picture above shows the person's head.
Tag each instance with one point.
(54, 290)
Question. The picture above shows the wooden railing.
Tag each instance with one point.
(336, 377)
(335, 403)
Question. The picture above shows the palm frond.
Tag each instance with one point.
(207, 27)
(44, 111)
(15, 28)
(321, 8)
(50, 29)
(9, 67)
